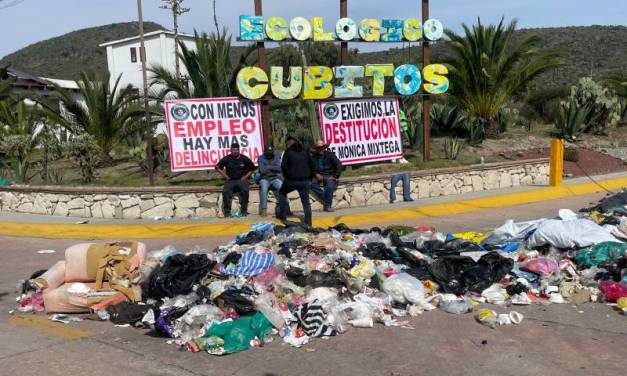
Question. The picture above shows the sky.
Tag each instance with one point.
(23, 22)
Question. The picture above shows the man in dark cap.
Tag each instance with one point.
(236, 170)
(269, 177)
(298, 169)
(330, 168)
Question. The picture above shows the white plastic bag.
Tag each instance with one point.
(403, 288)
(569, 234)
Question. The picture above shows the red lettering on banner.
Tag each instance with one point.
(235, 126)
(194, 129)
(249, 126)
(210, 125)
(179, 129)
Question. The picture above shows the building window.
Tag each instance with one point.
(133, 55)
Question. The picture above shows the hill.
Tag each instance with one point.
(66, 55)
(590, 50)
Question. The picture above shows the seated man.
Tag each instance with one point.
(236, 170)
(329, 169)
(269, 177)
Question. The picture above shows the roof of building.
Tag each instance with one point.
(150, 35)
(65, 84)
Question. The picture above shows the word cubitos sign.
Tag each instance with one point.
(201, 131)
(362, 131)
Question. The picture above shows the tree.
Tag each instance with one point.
(108, 114)
(210, 70)
(19, 136)
(175, 6)
(6, 83)
(488, 68)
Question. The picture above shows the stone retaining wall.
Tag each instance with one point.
(205, 202)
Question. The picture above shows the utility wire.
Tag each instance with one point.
(11, 4)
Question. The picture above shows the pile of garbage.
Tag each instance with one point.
(293, 282)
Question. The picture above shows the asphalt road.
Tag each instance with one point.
(552, 340)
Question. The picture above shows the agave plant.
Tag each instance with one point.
(571, 120)
(488, 68)
(452, 148)
(446, 120)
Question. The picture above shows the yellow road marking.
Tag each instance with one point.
(229, 228)
(43, 324)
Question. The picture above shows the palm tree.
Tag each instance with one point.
(210, 70)
(108, 114)
(19, 136)
(488, 68)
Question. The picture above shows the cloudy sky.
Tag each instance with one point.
(23, 22)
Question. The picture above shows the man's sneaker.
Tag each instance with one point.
(328, 209)
(263, 213)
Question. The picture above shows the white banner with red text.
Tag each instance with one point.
(201, 131)
(362, 130)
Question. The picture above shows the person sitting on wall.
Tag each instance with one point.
(236, 170)
(269, 177)
(329, 169)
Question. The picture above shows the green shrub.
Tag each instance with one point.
(83, 151)
(160, 153)
(571, 155)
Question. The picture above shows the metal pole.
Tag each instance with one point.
(344, 45)
(265, 106)
(149, 131)
(175, 15)
(426, 102)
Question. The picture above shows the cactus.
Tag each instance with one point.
(452, 147)
(603, 107)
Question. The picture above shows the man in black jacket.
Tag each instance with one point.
(298, 170)
(329, 168)
(236, 169)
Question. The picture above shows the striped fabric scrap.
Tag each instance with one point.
(311, 317)
(251, 263)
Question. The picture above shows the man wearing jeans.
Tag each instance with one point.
(236, 169)
(269, 177)
(329, 169)
(298, 169)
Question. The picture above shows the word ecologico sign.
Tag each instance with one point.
(362, 130)
(317, 82)
(201, 131)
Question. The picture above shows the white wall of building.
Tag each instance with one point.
(159, 51)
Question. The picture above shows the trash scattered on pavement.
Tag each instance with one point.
(46, 251)
(293, 283)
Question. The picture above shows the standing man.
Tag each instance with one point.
(329, 169)
(269, 177)
(236, 170)
(298, 169)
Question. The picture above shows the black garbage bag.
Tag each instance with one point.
(448, 272)
(253, 237)
(342, 227)
(127, 312)
(516, 289)
(614, 269)
(377, 251)
(241, 300)
(419, 272)
(178, 275)
(408, 258)
(611, 203)
(314, 279)
(291, 227)
(459, 274)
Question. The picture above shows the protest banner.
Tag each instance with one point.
(362, 130)
(201, 131)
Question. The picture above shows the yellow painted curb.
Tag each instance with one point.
(43, 324)
(230, 228)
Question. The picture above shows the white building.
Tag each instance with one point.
(123, 55)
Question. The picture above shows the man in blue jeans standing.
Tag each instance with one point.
(269, 177)
(329, 168)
